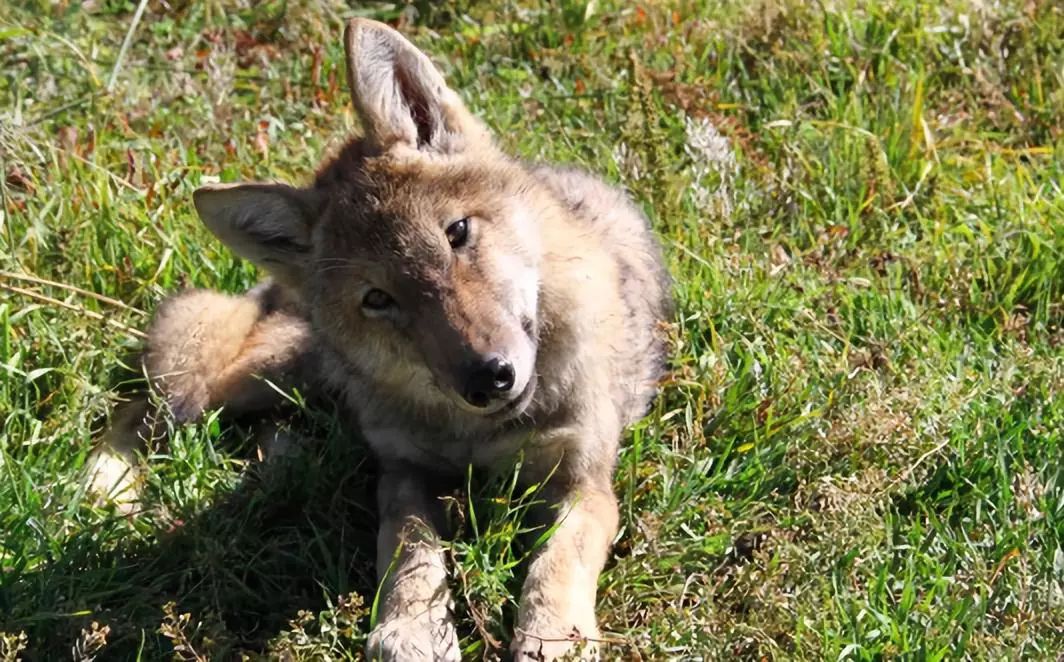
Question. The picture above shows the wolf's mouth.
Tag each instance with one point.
(517, 406)
(507, 409)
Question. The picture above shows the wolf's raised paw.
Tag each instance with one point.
(423, 636)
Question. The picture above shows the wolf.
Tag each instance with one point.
(466, 307)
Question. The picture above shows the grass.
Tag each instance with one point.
(858, 455)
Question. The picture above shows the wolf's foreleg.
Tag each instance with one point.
(557, 609)
(414, 618)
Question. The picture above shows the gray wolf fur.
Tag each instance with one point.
(467, 308)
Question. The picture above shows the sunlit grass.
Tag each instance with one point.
(857, 454)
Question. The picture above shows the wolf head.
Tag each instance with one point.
(416, 249)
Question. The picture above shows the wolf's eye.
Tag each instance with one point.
(377, 300)
(457, 233)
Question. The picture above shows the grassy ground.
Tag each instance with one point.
(858, 455)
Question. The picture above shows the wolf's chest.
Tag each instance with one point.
(445, 452)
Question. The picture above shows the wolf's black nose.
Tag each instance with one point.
(489, 379)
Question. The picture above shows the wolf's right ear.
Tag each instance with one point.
(269, 224)
(401, 98)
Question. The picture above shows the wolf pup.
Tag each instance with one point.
(467, 308)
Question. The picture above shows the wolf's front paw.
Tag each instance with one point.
(429, 635)
(542, 637)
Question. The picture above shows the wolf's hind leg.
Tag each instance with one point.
(112, 475)
(207, 349)
(204, 350)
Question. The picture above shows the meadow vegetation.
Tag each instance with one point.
(857, 454)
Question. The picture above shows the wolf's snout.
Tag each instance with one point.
(489, 379)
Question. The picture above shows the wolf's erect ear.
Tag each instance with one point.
(400, 96)
(269, 224)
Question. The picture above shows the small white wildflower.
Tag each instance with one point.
(758, 374)
(628, 161)
(705, 144)
(710, 153)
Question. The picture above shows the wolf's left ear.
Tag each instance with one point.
(269, 224)
(401, 97)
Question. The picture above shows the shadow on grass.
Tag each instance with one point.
(296, 532)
